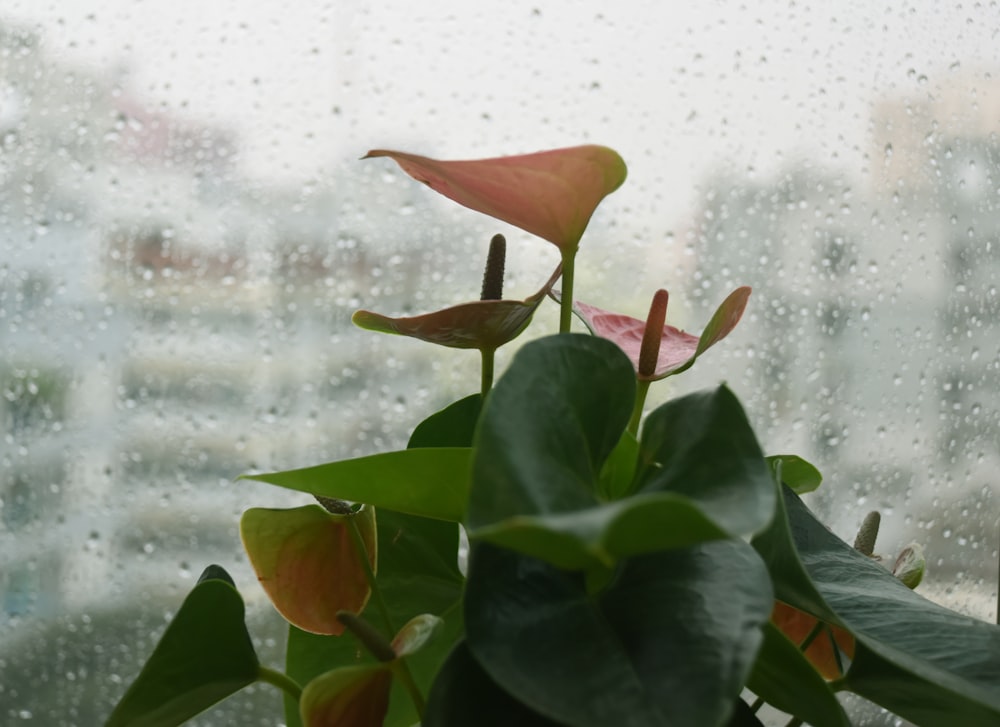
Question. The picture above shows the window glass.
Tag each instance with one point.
(185, 230)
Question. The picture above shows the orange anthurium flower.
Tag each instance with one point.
(306, 561)
(797, 625)
(677, 350)
(482, 324)
(351, 696)
(551, 194)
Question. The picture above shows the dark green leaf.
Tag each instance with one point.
(669, 641)
(926, 663)
(430, 482)
(799, 475)
(784, 678)
(453, 426)
(618, 472)
(204, 656)
(743, 716)
(701, 447)
(464, 695)
(549, 451)
(548, 426)
(791, 581)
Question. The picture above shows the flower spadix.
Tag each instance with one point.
(551, 194)
(676, 350)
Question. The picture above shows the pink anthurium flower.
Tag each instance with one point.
(677, 350)
(307, 562)
(551, 194)
(482, 324)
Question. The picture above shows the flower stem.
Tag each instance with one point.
(359, 545)
(282, 681)
(566, 306)
(487, 372)
(401, 671)
(811, 636)
(399, 667)
(641, 389)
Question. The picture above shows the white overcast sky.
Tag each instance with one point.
(678, 88)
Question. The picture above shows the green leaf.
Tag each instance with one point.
(796, 473)
(204, 656)
(430, 482)
(549, 424)
(792, 583)
(701, 447)
(306, 560)
(669, 641)
(543, 446)
(464, 694)
(453, 426)
(784, 678)
(928, 664)
(618, 472)
(350, 696)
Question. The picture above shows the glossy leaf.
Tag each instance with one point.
(543, 443)
(551, 194)
(618, 472)
(482, 324)
(430, 482)
(913, 657)
(798, 474)
(353, 696)
(678, 350)
(701, 447)
(784, 678)
(204, 656)
(670, 640)
(307, 562)
(464, 695)
(453, 426)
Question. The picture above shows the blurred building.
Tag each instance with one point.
(167, 324)
(852, 275)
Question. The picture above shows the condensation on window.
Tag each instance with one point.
(186, 227)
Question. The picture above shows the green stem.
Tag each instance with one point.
(794, 722)
(811, 636)
(566, 306)
(282, 681)
(487, 372)
(399, 667)
(401, 672)
(836, 651)
(757, 704)
(641, 389)
(359, 545)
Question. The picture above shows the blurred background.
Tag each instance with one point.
(186, 228)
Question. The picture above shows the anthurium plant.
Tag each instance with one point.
(624, 567)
